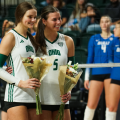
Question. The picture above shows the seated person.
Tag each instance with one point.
(45, 3)
(75, 16)
(63, 11)
(92, 16)
(113, 10)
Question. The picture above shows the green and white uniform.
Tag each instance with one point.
(22, 48)
(49, 90)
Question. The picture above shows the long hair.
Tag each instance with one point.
(40, 38)
(20, 11)
(7, 25)
(77, 8)
(93, 7)
(96, 10)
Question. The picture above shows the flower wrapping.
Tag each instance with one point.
(38, 67)
(66, 84)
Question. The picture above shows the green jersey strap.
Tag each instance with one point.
(2, 60)
(72, 59)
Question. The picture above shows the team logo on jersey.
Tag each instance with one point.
(21, 41)
(118, 50)
(103, 43)
(97, 40)
(29, 48)
(60, 44)
(111, 38)
(54, 52)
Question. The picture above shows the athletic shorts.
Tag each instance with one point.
(53, 107)
(14, 104)
(101, 77)
(3, 106)
(113, 81)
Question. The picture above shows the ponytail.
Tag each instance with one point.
(3, 27)
(40, 38)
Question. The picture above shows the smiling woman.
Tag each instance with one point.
(63, 47)
(63, 11)
(20, 99)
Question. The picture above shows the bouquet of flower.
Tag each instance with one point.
(38, 67)
(68, 78)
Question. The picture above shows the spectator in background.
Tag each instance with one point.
(91, 17)
(63, 11)
(45, 3)
(75, 16)
(7, 26)
(113, 10)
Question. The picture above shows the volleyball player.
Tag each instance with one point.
(63, 47)
(6, 27)
(114, 91)
(99, 51)
(20, 98)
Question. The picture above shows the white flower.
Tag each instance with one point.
(45, 56)
(32, 56)
(70, 62)
(72, 70)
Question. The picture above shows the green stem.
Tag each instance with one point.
(38, 105)
(60, 115)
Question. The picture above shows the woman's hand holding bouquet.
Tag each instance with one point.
(37, 68)
(68, 78)
(66, 97)
(32, 83)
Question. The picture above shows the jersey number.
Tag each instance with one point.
(56, 64)
(103, 47)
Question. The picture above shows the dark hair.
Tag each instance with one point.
(96, 10)
(7, 25)
(93, 7)
(60, 4)
(40, 38)
(20, 11)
